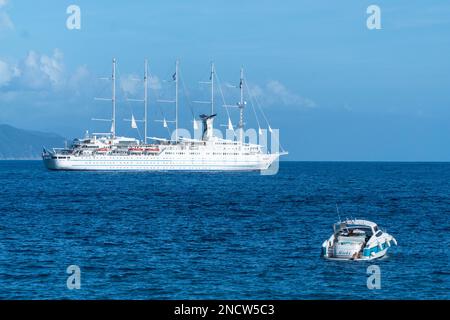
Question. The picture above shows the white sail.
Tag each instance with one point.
(133, 122)
(230, 125)
(195, 125)
(164, 123)
(260, 131)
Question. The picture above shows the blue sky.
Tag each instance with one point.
(336, 90)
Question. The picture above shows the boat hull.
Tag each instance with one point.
(153, 163)
(357, 240)
(366, 254)
(375, 256)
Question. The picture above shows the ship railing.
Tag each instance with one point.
(61, 151)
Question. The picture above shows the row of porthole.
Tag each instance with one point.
(120, 163)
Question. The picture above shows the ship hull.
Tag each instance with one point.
(152, 163)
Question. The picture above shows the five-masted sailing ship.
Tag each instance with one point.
(109, 151)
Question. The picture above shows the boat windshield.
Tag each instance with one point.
(355, 230)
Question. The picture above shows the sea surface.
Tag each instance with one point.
(169, 235)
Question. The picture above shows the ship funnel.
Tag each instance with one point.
(207, 121)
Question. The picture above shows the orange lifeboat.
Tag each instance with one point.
(102, 150)
(152, 150)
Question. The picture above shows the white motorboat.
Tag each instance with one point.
(357, 240)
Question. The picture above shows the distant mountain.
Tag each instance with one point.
(24, 144)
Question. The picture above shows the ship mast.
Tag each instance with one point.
(241, 107)
(112, 131)
(145, 99)
(176, 100)
(113, 120)
(212, 88)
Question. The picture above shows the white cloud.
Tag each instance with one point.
(275, 93)
(80, 74)
(6, 73)
(76, 82)
(32, 59)
(53, 66)
(130, 83)
(5, 21)
(39, 71)
(256, 91)
(286, 97)
(154, 83)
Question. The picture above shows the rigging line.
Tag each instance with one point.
(253, 106)
(257, 103)
(102, 92)
(186, 94)
(223, 97)
(157, 95)
(170, 82)
(132, 113)
(221, 92)
(262, 112)
(125, 93)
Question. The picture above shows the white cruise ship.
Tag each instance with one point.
(108, 151)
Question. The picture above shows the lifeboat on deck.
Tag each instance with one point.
(102, 150)
(135, 150)
(152, 150)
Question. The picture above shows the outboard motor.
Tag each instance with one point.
(207, 122)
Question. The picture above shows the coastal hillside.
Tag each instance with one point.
(25, 144)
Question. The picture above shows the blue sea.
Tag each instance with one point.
(220, 235)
